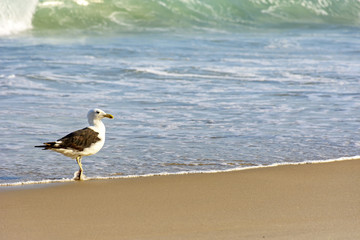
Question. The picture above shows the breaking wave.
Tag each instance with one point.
(165, 15)
(16, 15)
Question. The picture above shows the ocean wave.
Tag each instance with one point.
(165, 15)
(16, 15)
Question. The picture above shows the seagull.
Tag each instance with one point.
(83, 142)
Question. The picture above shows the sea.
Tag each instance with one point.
(194, 85)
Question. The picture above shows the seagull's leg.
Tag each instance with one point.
(78, 159)
(80, 173)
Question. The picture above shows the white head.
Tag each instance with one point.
(95, 115)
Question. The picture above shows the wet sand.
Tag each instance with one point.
(309, 201)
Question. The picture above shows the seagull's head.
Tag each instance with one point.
(97, 114)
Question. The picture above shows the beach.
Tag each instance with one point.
(232, 119)
(306, 201)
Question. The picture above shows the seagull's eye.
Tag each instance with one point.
(97, 112)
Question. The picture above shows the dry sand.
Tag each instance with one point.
(310, 201)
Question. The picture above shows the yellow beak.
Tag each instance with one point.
(109, 116)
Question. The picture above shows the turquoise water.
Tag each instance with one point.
(193, 85)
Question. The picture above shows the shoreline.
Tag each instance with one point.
(304, 201)
(45, 182)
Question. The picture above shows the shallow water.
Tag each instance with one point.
(186, 97)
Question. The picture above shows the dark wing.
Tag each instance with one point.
(77, 140)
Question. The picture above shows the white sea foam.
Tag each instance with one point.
(65, 180)
(45, 181)
(16, 15)
(161, 72)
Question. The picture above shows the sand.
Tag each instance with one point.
(310, 201)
